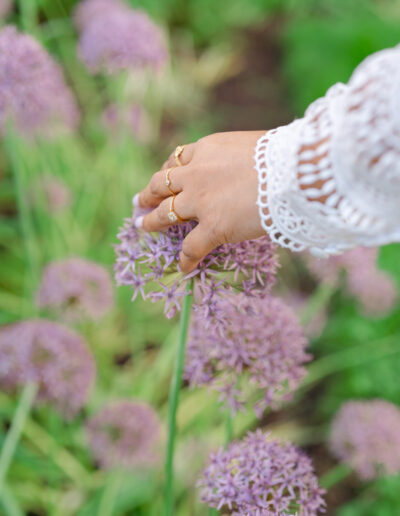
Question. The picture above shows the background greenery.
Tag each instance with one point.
(235, 64)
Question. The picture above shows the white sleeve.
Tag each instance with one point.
(331, 181)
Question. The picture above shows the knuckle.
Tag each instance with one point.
(189, 251)
(159, 215)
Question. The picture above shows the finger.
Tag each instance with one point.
(157, 189)
(185, 156)
(158, 219)
(195, 247)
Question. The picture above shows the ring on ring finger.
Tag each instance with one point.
(172, 215)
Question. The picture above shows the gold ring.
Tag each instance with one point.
(178, 151)
(168, 180)
(172, 215)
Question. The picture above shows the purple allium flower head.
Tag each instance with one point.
(259, 476)
(366, 436)
(124, 434)
(5, 7)
(54, 193)
(148, 263)
(50, 355)
(33, 93)
(76, 288)
(115, 37)
(375, 289)
(263, 342)
(131, 117)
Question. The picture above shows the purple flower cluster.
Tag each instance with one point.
(261, 477)
(131, 117)
(375, 289)
(366, 436)
(115, 37)
(50, 355)
(263, 345)
(148, 263)
(33, 93)
(5, 7)
(76, 288)
(124, 434)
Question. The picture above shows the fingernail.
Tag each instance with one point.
(139, 222)
(135, 200)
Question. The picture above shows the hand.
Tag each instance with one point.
(216, 186)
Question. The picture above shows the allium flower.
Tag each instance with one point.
(148, 263)
(54, 193)
(261, 477)
(375, 289)
(366, 436)
(50, 355)
(33, 93)
(124, 434)
(131, 118)
(76, 288)
(5, 7)
(115, 37)
(263, 342)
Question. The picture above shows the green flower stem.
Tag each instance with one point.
(28, 14)
(13, 435)
(110, 494)
(173, 403)
(14, 154)
(317, 302)
(334, 476)
(10, 505)
(228, 428)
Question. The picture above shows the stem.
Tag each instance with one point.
(10, 505)
(228, 428)
(334, 476)
(109, 496)
(317, 302)
(176, 383)
(13, 435)
(28, 14)
(25, 218)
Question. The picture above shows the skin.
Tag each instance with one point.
(216, 186)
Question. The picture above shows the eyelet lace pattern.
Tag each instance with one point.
(331, 181)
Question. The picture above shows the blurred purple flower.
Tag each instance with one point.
(50, 355)
(259, 476)
(263, 341)
(76, 288)
(131, 118)
(124, 434)
(115, 37)
(298, 301)
(54, 193)
(366, 436)
(5, 7)
(33, 92)
(148, 261)
(375, 289)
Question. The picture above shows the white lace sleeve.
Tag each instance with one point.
(331, 180)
